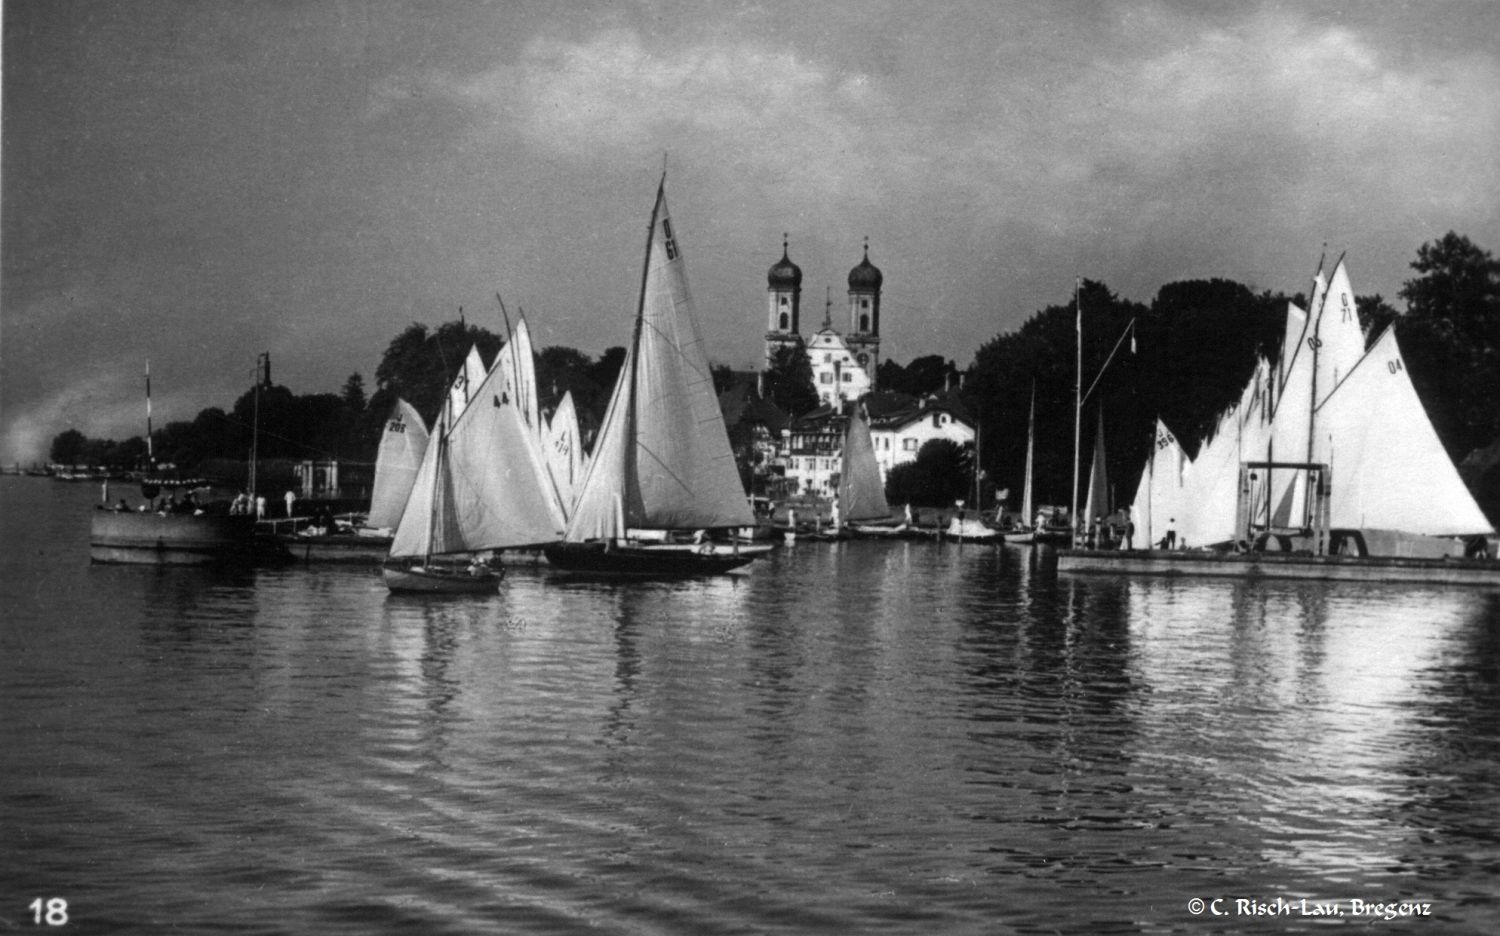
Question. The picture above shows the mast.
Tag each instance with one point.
(150, 454)
(628, 450)
(1077, 409)
(262, 366)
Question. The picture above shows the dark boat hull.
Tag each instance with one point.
(440, 580)
(126, 538)
(648, 560)
(1484, 572)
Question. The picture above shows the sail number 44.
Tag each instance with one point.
(52, 911)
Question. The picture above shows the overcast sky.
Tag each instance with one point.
(196, 182)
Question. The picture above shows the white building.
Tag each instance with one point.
(900, 433)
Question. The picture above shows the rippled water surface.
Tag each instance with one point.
(855, 738)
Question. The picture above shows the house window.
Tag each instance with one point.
(783, 321)
(827, 358)
(936, 421)
(848, 376)
(909, 445)
(864, 303)
(864, 323)
(825, 377)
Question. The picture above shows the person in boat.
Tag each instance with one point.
(1129, 540)
(291, 498)
(1170, 540)
(121, 506)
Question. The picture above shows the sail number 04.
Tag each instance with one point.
(52, 911)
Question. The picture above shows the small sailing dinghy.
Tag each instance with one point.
(480, 488)
(662, 476)
(861, 490)
(969, 526)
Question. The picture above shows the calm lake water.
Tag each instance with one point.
(854, 738)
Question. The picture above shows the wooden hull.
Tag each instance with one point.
(1484, 572)
(656, 560)
(177, 539)
(439, 580)
(340, 548)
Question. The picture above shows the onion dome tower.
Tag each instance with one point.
(863, 337)
(784, 287)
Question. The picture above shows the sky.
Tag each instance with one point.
(190, 184)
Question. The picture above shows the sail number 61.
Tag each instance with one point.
(53, 911)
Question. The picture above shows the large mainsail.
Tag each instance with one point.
(402, 446)
(1389, 470)
(663, 458)
(861, 492)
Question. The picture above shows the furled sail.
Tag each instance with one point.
(1098, 502)
(861, 492)
(663, 458)
(402, 446)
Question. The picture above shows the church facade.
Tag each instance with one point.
(843, 363)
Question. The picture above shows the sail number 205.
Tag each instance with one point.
(52, 911)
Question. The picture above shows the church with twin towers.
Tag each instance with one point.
(843, 363)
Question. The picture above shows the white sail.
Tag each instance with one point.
(663, 458)
(861, 491)
(1158, 497)
(402, 446)
(1211, 483)
(565, 452)
(427, 523)
(526, 393)
(1340, 339)
(500, 483)
(1389, 470)
(480, 485)
(464, 384)
(1291, 415)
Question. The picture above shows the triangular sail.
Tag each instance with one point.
(402, 446)
(501, 488)
(1158, 498)
(565, 452)
(861, 492)
(427, 525)
(465, 383)
(1389, 470)
(1340, 339)
(664, 453)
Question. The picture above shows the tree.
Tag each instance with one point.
(789, 380)
(68, 447)
(419, 365)
(1450, 337)
(941, 474)
(1375, 314)
(354, 393)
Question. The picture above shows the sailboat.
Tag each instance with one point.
(862, 503)
(662, 474)
(1027, 533)
(1326, 467)
(968, 526)
(403, 443)
(479, 489)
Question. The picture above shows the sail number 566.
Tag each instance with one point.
(53, 911)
